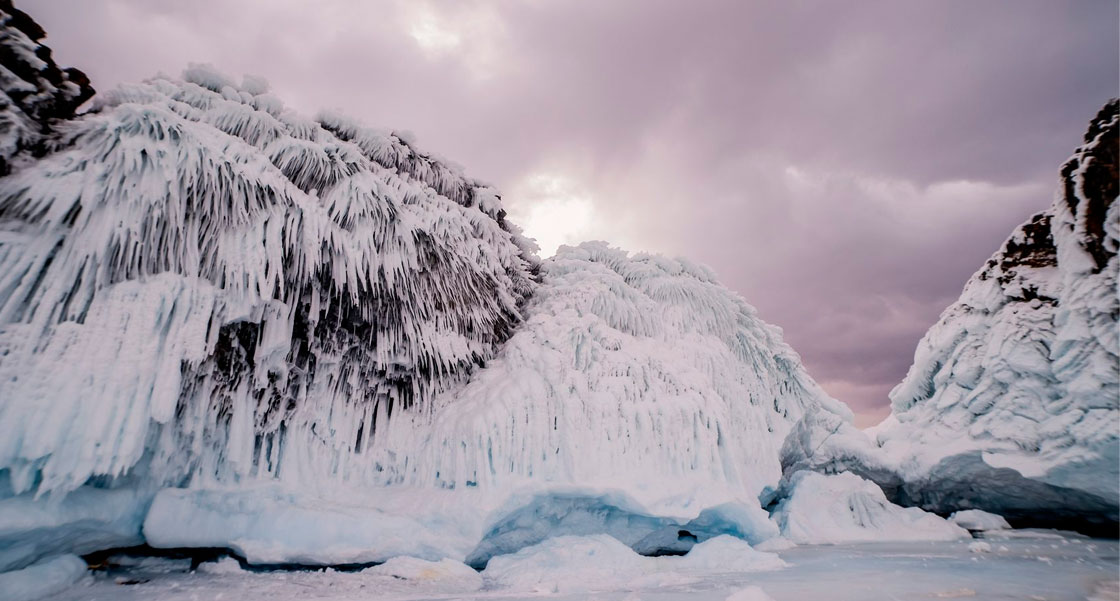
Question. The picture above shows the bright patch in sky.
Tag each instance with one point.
(554, 210)
(430, 34)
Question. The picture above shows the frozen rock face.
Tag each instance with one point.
(1013, 402)
(639, 398)
(34, 92)
(205, 284)
(270, 317)
(631, 372)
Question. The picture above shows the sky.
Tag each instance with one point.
(844, 166)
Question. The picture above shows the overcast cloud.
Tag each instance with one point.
(845, 166)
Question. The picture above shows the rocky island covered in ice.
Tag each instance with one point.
(1013, 402)
(227, 329)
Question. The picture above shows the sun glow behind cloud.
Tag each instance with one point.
(554, 210)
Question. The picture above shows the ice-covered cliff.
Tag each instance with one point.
(309, 341)
(1013, 401)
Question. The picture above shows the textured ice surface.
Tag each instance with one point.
(82, 521)
(270, 525)
(846, 508)
(974, 519)
(568, 563)
(41, 579)
(1057, 567)
(750, 593)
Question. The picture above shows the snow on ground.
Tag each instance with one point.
(1039, 565)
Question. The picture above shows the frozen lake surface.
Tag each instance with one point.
(1024, 564)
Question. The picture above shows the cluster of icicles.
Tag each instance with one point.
(197, 284)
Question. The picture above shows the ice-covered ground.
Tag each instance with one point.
(1021, 564)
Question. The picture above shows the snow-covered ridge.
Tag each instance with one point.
(206, 282)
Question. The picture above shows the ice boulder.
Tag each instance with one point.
(842, 508)
(41, 579)
(568, 564)
(977, 520)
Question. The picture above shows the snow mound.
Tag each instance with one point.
(974, 519)
(225, 565)
(726, 553)
(979, 547)
(446, 572)
(842, 508)
(568, 564)
(42, 579)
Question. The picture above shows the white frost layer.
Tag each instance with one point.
(842, 508)
(268, 525)
(85, 520)
(975, 519)
(45, 578)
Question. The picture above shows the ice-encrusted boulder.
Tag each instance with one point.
(844, 508)
(1013, 402)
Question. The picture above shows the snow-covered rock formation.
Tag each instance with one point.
(34, 92)
(844, 508)
(266, 322)
(1013, 402)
